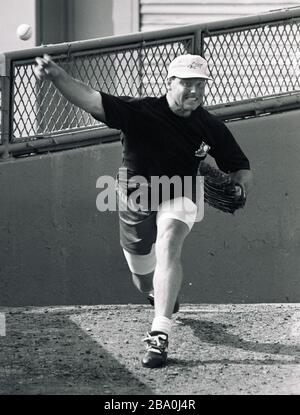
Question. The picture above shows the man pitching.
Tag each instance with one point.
(160, 137)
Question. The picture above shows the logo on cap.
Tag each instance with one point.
(195, 65)
(189, 66)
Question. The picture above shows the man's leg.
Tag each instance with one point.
(168, 273)
(144, 283)
(174, 222)
(142, 268)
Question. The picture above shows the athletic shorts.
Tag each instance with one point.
(138, 224)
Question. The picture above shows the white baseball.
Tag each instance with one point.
(24, 31)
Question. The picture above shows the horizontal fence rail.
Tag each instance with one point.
(251, 60)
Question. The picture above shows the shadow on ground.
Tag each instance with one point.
(47, 353)
(219, 334)
(96, 350)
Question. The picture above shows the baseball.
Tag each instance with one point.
(24, 31)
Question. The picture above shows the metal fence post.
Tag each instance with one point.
(198, 42)
(5, 107)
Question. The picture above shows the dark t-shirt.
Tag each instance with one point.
(158, 142)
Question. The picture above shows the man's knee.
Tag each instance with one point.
(141, 264)
(170, 239)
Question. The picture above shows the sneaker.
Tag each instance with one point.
(157, 349)
(150, 298)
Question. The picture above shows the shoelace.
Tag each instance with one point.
(156, 343)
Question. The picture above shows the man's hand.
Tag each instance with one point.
(236, 190)
(243, 178)
(239, 191)
(220, 191)
(46, 68)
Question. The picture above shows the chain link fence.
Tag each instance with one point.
(253, 62)
(248, 58)
(40, 110)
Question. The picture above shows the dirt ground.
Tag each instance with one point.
(214, 350)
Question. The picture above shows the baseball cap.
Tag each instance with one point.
(189, 66)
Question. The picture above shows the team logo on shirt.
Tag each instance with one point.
(202, 150)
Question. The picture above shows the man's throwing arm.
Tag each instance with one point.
(75, 91)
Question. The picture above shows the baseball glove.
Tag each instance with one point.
(220, 191)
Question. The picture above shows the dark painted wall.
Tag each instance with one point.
(56, 248)
(70, 20)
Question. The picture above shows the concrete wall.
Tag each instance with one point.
(56, 248)
(254, 255)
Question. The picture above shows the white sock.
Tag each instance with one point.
(163, 324)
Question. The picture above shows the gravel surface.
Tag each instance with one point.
(214, 350)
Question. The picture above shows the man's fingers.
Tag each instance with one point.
(39, 60)
(42, 69)
(239, 191)
(47, 58)
(44, 61)
(38, 73)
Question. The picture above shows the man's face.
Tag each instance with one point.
(187, 93)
